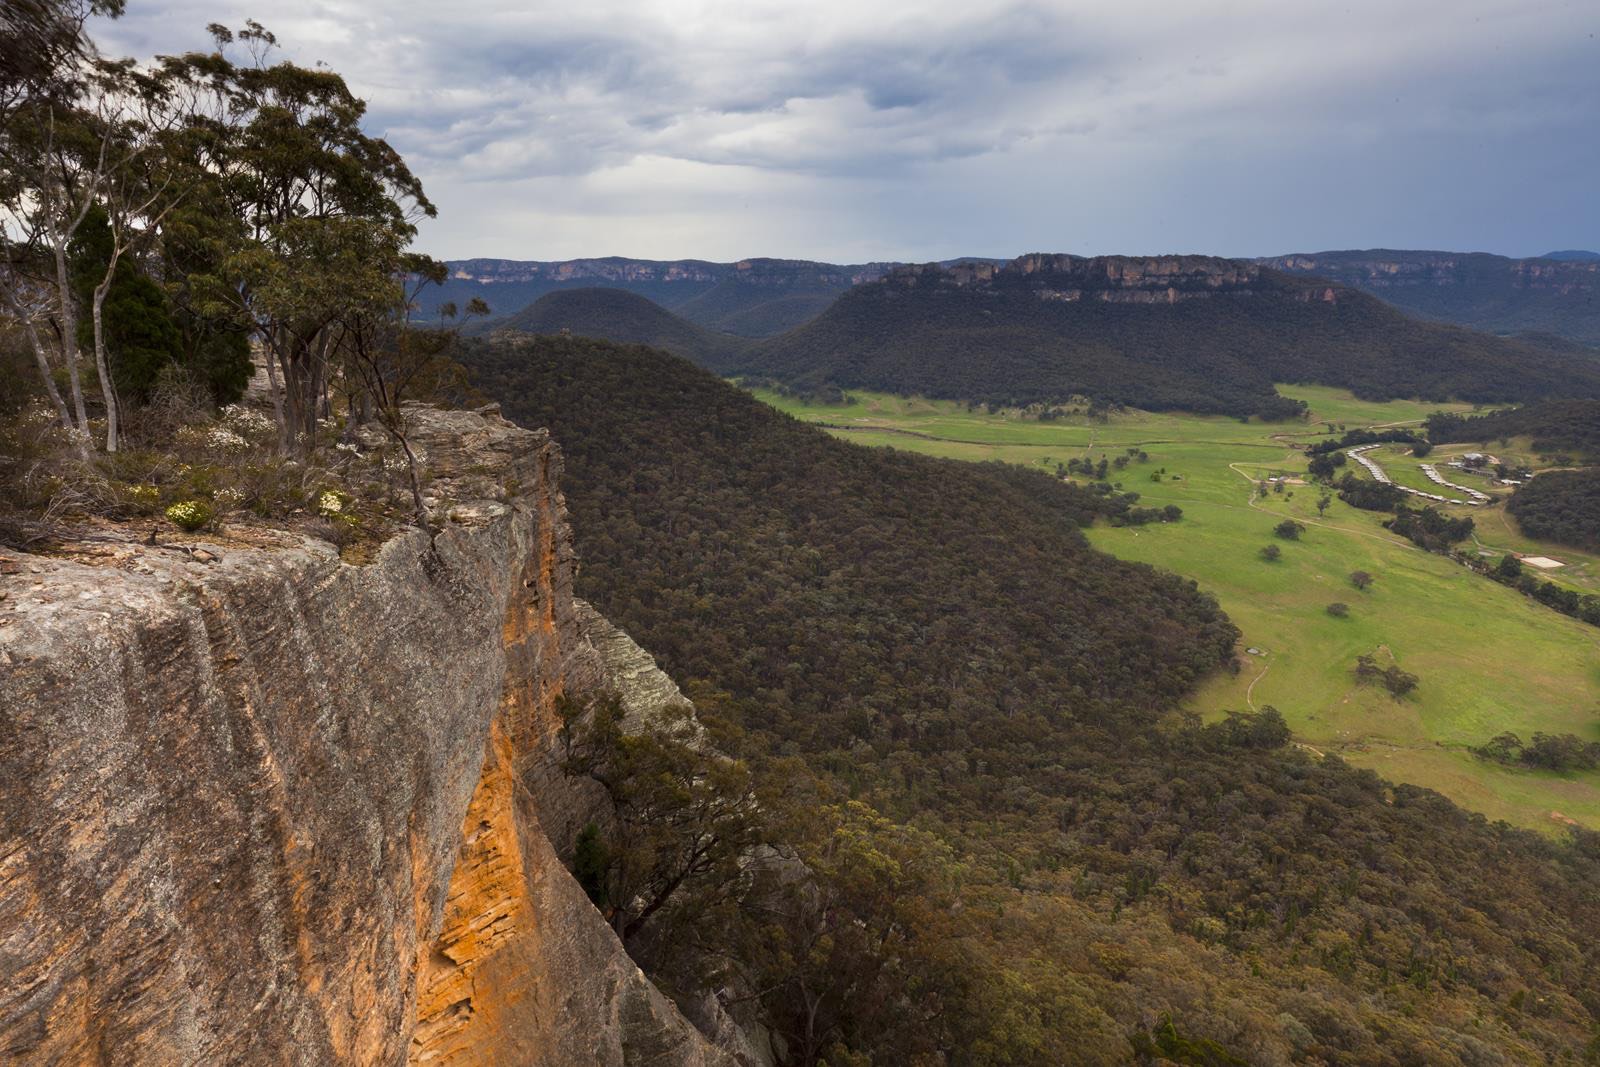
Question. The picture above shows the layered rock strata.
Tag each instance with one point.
(258, 805)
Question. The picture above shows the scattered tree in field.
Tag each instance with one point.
(1338, 609)
(1271, 553)
(1429, 528)
(1323, 465)
(1289, 530)
(1360, 579)
(1322, 504)
(1392, 678)
(1551, 752)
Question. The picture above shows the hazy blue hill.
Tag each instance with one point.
(1192, 332)
(624, 317)
(1558, 293)
(752, 298)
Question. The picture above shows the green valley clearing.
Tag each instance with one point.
(1489, 659)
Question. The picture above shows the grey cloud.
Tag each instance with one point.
(938, 128)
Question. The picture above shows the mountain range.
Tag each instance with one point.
(1556, 294)
(1195, 333)
(751, 298)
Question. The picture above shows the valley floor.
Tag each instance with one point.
(1489, 659)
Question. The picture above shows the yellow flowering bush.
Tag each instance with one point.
(190, 514)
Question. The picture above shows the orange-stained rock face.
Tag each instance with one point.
(460, 1015)
(274, 808)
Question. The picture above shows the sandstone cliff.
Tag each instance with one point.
(261, 806)
(1108, 279)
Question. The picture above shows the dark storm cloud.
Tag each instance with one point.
(851, 130)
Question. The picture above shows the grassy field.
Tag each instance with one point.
(1488, 658)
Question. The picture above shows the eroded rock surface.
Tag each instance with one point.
(261, 806)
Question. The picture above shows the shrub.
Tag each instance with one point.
(1360, 579)
(1289, 530)
(1271, 553)
(1338, 610)
(190, 515)
(142, 499)
(331, 503)
(591, 863)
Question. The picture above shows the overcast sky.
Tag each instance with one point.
(924, 129)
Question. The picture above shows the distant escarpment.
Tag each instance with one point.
(1557, 294)
(261, 806)
(750, 298)
(1161, 332)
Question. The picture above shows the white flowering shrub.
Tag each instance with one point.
(332, 502)
(248, 422)
(215, 439)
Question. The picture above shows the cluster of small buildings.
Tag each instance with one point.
(1435, 476)
(1359, 454)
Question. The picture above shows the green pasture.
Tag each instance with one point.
(1489, 659)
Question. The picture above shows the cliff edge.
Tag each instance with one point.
(261, 806)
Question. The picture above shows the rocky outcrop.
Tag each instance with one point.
(258, 805)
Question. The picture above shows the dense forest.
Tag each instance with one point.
(938, 641)
(1556, 426)
(1562, 506)
(1006, 340)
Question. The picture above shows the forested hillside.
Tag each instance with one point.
(1191, 333)
(1556, 426)
(937, 639)
(1562, 506)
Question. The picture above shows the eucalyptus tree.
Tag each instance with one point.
(83, 142)
(320, 212)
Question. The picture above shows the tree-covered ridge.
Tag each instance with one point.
(1561, 506)
(1211, 337)
(625, 317)
(937, 640)
(1556, 426)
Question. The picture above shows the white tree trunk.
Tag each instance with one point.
(69, 328)
(102, 364)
